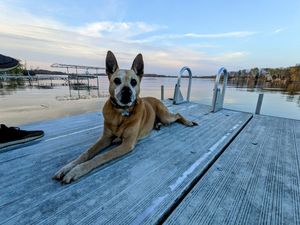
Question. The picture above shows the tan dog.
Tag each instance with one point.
(126, 116)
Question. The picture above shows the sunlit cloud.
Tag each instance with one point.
(43, 41)
(238, 34)
(114, 29)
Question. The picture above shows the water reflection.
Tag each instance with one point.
(10, 85)
(281, 98)
(289, 89)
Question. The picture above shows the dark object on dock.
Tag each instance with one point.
(7, 63)
(14, 135)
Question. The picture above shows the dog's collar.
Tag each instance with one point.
(125, 109)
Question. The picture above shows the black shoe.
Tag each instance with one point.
(7, 63)
(13, 135)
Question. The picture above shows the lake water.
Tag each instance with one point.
(275, 103)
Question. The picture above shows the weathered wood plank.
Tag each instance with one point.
(136, 189)
(255, 181)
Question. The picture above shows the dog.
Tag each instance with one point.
(127, 117)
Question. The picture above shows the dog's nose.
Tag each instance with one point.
(126, 95)
(126, 90)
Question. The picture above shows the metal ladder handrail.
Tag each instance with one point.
(218, 98)
(177, 98)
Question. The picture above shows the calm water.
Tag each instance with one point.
(275, 103)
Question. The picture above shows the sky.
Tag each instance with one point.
(170, 34)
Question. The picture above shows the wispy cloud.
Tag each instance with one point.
(115, 29)
(44, 40)
(237, 34)
(231, 56)
(279, 30)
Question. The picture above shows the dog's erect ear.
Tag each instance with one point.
(111, 64)
(138, 65)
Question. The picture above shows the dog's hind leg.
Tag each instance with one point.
(165, 117)
(170, 118)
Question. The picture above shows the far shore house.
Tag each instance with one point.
(265, 72)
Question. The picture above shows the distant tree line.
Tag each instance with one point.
(287, 75)
(283, 79)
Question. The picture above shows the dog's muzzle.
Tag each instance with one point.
(126, 95)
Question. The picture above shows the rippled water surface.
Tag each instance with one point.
(277, 102)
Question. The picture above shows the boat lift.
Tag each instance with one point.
(76, 67)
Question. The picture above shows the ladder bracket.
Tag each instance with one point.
(218, 95)
(178, 98)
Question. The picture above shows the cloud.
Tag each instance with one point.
(237, 34)
(279, 30)
(114, 29)
(231, 56)
(43, 41)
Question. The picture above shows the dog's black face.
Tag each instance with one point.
(124, 85)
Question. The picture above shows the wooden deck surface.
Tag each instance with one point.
(255, 181)
(150, 185)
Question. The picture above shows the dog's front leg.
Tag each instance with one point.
(83, 168)
(102, 143)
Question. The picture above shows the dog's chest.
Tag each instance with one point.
(117, 130)
(118, 125)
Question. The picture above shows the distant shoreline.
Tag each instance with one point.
(104, 75)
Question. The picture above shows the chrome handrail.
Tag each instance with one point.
(218, 97)
(177, 98)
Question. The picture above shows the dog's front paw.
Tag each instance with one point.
(191, 124)
(157, 126)
(63, 171)
(77, 172)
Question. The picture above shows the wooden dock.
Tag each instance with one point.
(234, 168)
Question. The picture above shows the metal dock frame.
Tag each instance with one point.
(178, 98)
(218, 97)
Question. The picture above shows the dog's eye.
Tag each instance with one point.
(133, 82)
(117, 81)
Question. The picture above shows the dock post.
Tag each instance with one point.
(98, 86)
(162, 92)
(259, 103)
(88, 80)
(77, 84)
(69, 86)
